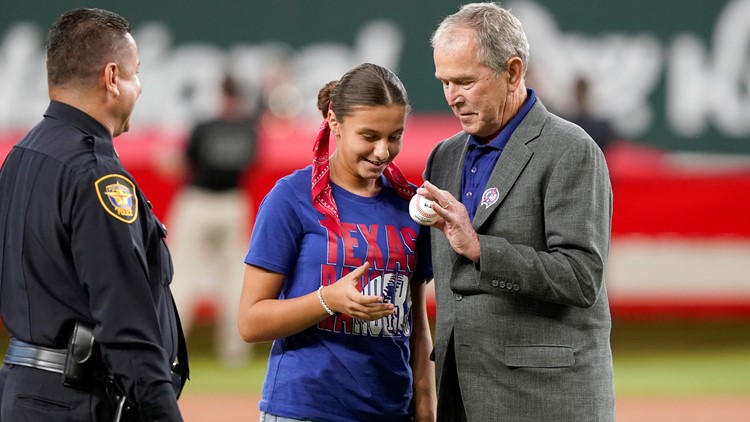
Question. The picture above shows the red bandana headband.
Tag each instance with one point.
(321, 188)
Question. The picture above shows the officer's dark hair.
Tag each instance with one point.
(81, 42)
(366, 85)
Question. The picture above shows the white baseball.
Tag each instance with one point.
(420, 210)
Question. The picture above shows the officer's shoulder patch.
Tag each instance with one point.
(117, 195)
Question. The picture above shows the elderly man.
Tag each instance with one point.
(519, 253)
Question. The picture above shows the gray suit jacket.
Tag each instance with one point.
(531, 320)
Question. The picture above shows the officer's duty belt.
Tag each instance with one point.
(25, 354)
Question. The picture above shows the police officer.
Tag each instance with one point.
(84, 269)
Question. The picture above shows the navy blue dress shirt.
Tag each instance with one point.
(481, 158)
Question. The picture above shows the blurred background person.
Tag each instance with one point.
(211, 216)
(599, 128)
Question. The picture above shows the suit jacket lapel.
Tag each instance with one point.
(511, 163)
(457, 157)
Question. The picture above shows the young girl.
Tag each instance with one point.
(337, 270)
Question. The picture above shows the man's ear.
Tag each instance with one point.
(111, 76)
(515, 69)
(333, 122)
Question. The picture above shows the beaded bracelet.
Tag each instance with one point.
(323, 304)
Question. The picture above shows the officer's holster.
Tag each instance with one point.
(80, 363)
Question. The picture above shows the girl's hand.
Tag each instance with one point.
(344, 296)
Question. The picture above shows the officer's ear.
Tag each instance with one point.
(111, 77)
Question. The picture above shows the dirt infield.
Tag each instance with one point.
(684, 409)
(219, 408)
(222, 408)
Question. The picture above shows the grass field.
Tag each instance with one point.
(687, 371)
(654, 358)
(677, 358)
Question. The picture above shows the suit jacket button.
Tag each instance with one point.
(502, 284)
(516, 288)
(495, 283)
(509, 285)
(458, 296)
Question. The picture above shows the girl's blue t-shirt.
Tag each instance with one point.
(341, 369)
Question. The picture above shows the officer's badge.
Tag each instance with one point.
(118, 196)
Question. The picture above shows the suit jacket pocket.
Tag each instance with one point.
(464, 276)
(538, 356)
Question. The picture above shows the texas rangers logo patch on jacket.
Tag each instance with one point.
(117, 196)
(489, 197)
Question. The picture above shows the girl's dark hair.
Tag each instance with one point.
(366, 85)
(81, 41)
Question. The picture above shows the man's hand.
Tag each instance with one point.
(454, 221)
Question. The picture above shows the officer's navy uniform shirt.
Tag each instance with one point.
(81, 243)
(481, 158)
